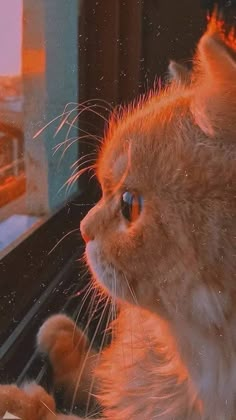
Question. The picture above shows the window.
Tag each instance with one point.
(42, 63)
(38, 87)
(12, 165)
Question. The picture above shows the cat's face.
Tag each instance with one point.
(156, 237)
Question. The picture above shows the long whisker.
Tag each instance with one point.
(83, 204)
(76, 168)
(92, 176)
(48, 124)
(76, 107)
(115, 295)
(62, 239)
(97, 113)
(61, 125)
(91, 310)
(89, 108)
(81, 291)
(73, 288)
(77, 175)
(71, 140)
(85, 330)
(84, 300)
(92, 136)
(97, 361)
(87, 355)
(131, 290)
(65, 114)
(69, 183)
(83, 157)
(96, 100)
(90, 289)
(49, 409)
(81, 109)
(103, 101)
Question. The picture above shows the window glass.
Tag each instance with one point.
(39, 59)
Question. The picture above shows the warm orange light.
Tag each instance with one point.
(10, 37)
(34, 61)
(217, 26)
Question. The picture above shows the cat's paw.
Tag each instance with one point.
(51, 329)
(62, 342)
(68, 351)
(28, 403)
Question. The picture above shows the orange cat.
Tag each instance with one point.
(162, 242)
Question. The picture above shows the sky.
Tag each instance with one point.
(10, 37)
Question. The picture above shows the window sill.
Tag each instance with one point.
(15, 229)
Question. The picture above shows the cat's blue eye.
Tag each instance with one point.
(131, 205)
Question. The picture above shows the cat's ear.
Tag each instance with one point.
(215, 60)
(178, 73)
(215, 92)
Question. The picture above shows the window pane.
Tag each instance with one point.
(38, 88)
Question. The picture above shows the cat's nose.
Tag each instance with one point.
(85, 237)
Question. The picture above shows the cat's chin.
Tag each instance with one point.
(114, 282)
(104, 273)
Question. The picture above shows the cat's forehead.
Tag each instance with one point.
(126, 167)
(114, 170)
(136, 143)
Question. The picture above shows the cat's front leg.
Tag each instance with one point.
(72, 360)
(28, 403)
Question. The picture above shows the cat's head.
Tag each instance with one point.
(162, 235)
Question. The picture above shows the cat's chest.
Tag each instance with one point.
(211, 362)
(145, 369)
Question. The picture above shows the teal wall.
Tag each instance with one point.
(61, 40)
(52, 25)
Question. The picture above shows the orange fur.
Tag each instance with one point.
(172, 270)
(176, 149)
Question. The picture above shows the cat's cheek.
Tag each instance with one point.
(104, 273)
(99, 269)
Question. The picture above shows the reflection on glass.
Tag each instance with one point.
(38, 79)
(12, 176)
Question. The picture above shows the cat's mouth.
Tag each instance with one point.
(105, 273)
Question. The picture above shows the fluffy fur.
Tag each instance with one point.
(171, 271)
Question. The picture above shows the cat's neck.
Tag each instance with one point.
(210, 357)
